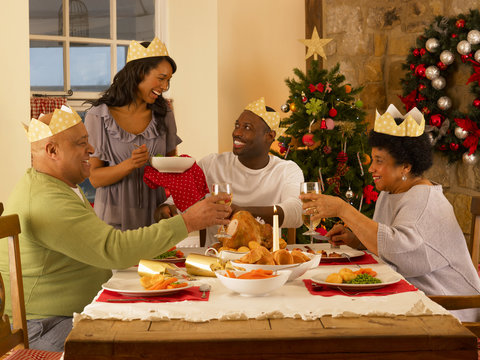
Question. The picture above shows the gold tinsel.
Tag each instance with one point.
(346, 127)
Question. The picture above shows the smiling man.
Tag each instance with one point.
(259, 180)
(67, 251)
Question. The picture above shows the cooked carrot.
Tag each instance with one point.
(162, 284)
(231, 274)
(177, 285)
(257, 274)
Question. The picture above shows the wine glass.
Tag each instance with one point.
(222, 188)
(309, 188)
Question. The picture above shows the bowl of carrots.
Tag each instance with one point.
(257, 282)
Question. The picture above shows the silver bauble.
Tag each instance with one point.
(285, 108)
(477, 56)
(349, 194)
(444, 103)
(464, 47)
(473, 37)
(469, 159)
(439, 83)
(432, 72)
(432, 44)
(447, 57)
(460, 133)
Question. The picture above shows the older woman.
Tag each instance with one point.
(414, 227)
(130, 122)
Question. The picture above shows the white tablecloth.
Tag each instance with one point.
(290, 301)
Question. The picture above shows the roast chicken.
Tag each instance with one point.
(244, 228)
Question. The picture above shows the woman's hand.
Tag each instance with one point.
(340, 235)
(139, 157)
(322, 206)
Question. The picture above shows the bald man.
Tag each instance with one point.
(67, 252)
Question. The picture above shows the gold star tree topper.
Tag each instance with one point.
(315, 45)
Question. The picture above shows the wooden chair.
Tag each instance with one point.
(457, 302)
(16, 336)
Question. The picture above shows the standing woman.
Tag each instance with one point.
(130, 122)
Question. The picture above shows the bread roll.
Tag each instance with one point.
(283, 257)
(299, 257)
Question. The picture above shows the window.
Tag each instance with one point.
(81, 44)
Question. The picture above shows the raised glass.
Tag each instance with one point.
(222, 188)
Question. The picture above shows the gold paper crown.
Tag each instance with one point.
(413, 124)
(270, 117)
(62, 119)
(137, 51)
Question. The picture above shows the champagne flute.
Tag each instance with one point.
(222, 188)
(309, 188)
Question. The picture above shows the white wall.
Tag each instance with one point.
(14, 94)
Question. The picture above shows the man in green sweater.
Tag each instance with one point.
(67, 252)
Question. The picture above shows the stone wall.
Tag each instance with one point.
(372, 41)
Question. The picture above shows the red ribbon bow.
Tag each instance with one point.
(412, 99)
(318, 87)
(476, 75)
(471, 141)
(369, 194)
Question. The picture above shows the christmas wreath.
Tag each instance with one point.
(445, 44)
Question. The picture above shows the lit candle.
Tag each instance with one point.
(276, 243)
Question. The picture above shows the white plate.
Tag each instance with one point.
(172, 164)
(129, 284)
(253, 287)
(347, 255)
(387, 279)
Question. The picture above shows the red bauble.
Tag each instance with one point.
(304, 99)
(476, 103)
(416, 52)
(412, 67)
(421, 87)
(454, 36)
(342, 157)
(323, 124)
(460, 23)
(453, 146)
(307, 139)
(282, 149)
(441, 66)
(332, 112)
(436, 120)
(465, 57)
(420, 70)
(422, 51)
(442, 147)
(327, 149)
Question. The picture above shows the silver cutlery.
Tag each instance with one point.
(204, 288)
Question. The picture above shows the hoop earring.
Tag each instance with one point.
(404, 177)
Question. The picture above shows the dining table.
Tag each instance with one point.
(303, 319)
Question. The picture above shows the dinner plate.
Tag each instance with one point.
(172, 164)
(346, 255)
(129, 284)
(387, 279)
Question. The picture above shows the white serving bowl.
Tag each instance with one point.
(253, 287)
(172, 164)
(295, 269)
(225, 255)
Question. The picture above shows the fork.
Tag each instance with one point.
(367, 292)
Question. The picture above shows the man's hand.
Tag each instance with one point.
(164, 211)
(207, 212)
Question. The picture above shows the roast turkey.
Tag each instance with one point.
(244, 228)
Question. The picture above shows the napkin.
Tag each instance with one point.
(190, 294)
(361, 260)
(398, 287)
(186, 188)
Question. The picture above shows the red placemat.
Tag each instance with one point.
(397, 288)
(361, 260)
(190, 294)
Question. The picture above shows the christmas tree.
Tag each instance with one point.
(327, 138)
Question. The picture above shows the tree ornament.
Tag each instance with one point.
(420, 70)
(432, 72)
(416, 52)
(304, 98)
(282, 148)
(441, 66)
(454, 36)
(431, 138)
(323, 124)
(447, 57)
(464, 47)
(412, 67)
(285, 108)
(293, 107)
(315, 45)
(470, 159)
(439, 83)
(453, 146)
(426, 110)
(422, 51)
(307, 139)
(460, 133)
(465, 57)
(460, 23)
(349, 194)
(330, 123)
(332, 112)
(476, 103)
(366, 159)
(327, 150)
(348, 89)
(421, 87)
(444, 103)
(359, 103)
(477, 56)
(473, 37)
(432, 45)
(342, 157)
